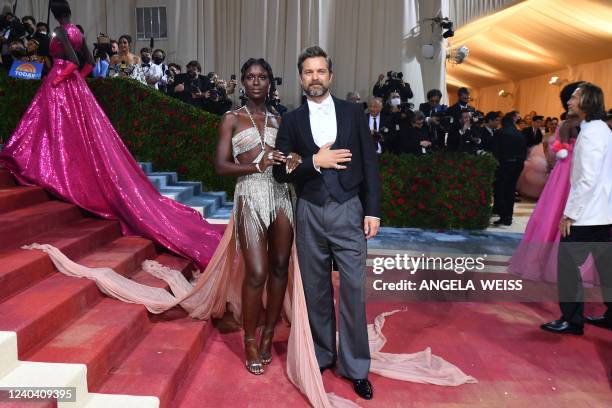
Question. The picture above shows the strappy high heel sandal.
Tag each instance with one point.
(266, 356)
(253, 367)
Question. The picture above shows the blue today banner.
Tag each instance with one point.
(26, 70)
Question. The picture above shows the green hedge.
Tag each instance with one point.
(444, 190)
(440, 191)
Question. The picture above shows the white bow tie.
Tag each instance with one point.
(324, 108)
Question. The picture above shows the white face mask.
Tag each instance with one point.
(396, 102)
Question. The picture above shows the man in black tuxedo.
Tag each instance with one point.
(191, 87)
(463, 104)
(510, 150)
(533, 133)
(433, 103)
(463, 136)
(377, 123)
(338, 209)
(486, 132)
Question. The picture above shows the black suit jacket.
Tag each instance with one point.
(426, 109)
(509, 145)
(532, 138)
(353, 133)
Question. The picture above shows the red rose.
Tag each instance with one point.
(396, 193)
(401, 201)
(421, 206)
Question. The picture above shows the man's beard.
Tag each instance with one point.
(314, 93)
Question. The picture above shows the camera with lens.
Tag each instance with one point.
(395, 80)
(102, 47)
(169, 77)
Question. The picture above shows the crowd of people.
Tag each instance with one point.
(26, 40)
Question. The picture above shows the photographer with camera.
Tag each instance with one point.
(170, 75)
(102, 52)
(11, 31)
(377, 124)
(394, 83)
(191, 87)
(463, 136)
(436, 131)
(433, 103)
(38, 51)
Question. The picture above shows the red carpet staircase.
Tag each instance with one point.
(64, 319)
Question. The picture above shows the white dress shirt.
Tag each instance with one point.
(590, 197)
(152, 71)
(375, 129)
(323, 121)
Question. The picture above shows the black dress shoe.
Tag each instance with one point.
(363, 388)
(502, 222)
(562, 326)
(599, 321)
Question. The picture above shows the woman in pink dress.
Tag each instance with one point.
(66, 144)
(536, 255)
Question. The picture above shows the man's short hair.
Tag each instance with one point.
(32, 19)
(175, 65)
(195, 64)
(160, 50)
(537, 117)
(463, 91)
(42, 24)
(434, 92)
(490, 116)
(418, 115)
(352, 94)
(376, 100)
(145, 49)
(313, 52)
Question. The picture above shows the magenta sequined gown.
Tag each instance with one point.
(66, 144)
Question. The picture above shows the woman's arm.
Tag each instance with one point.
(62, 36)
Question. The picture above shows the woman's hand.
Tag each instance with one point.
(271, 158)
(293, 161)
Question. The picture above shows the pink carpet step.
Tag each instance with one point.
(106, 332)
(160, 362)
(6, 180)
(43, 310)
(20, 226)
(12, 198)
(21, 268)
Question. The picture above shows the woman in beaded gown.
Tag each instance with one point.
(263, 211)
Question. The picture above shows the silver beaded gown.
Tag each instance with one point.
(258, 197)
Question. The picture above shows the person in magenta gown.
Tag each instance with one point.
(66, 144)
(536, 255)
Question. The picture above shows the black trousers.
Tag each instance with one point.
(507, 175)
(573, 251)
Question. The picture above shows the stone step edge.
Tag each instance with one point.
(17, 373)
